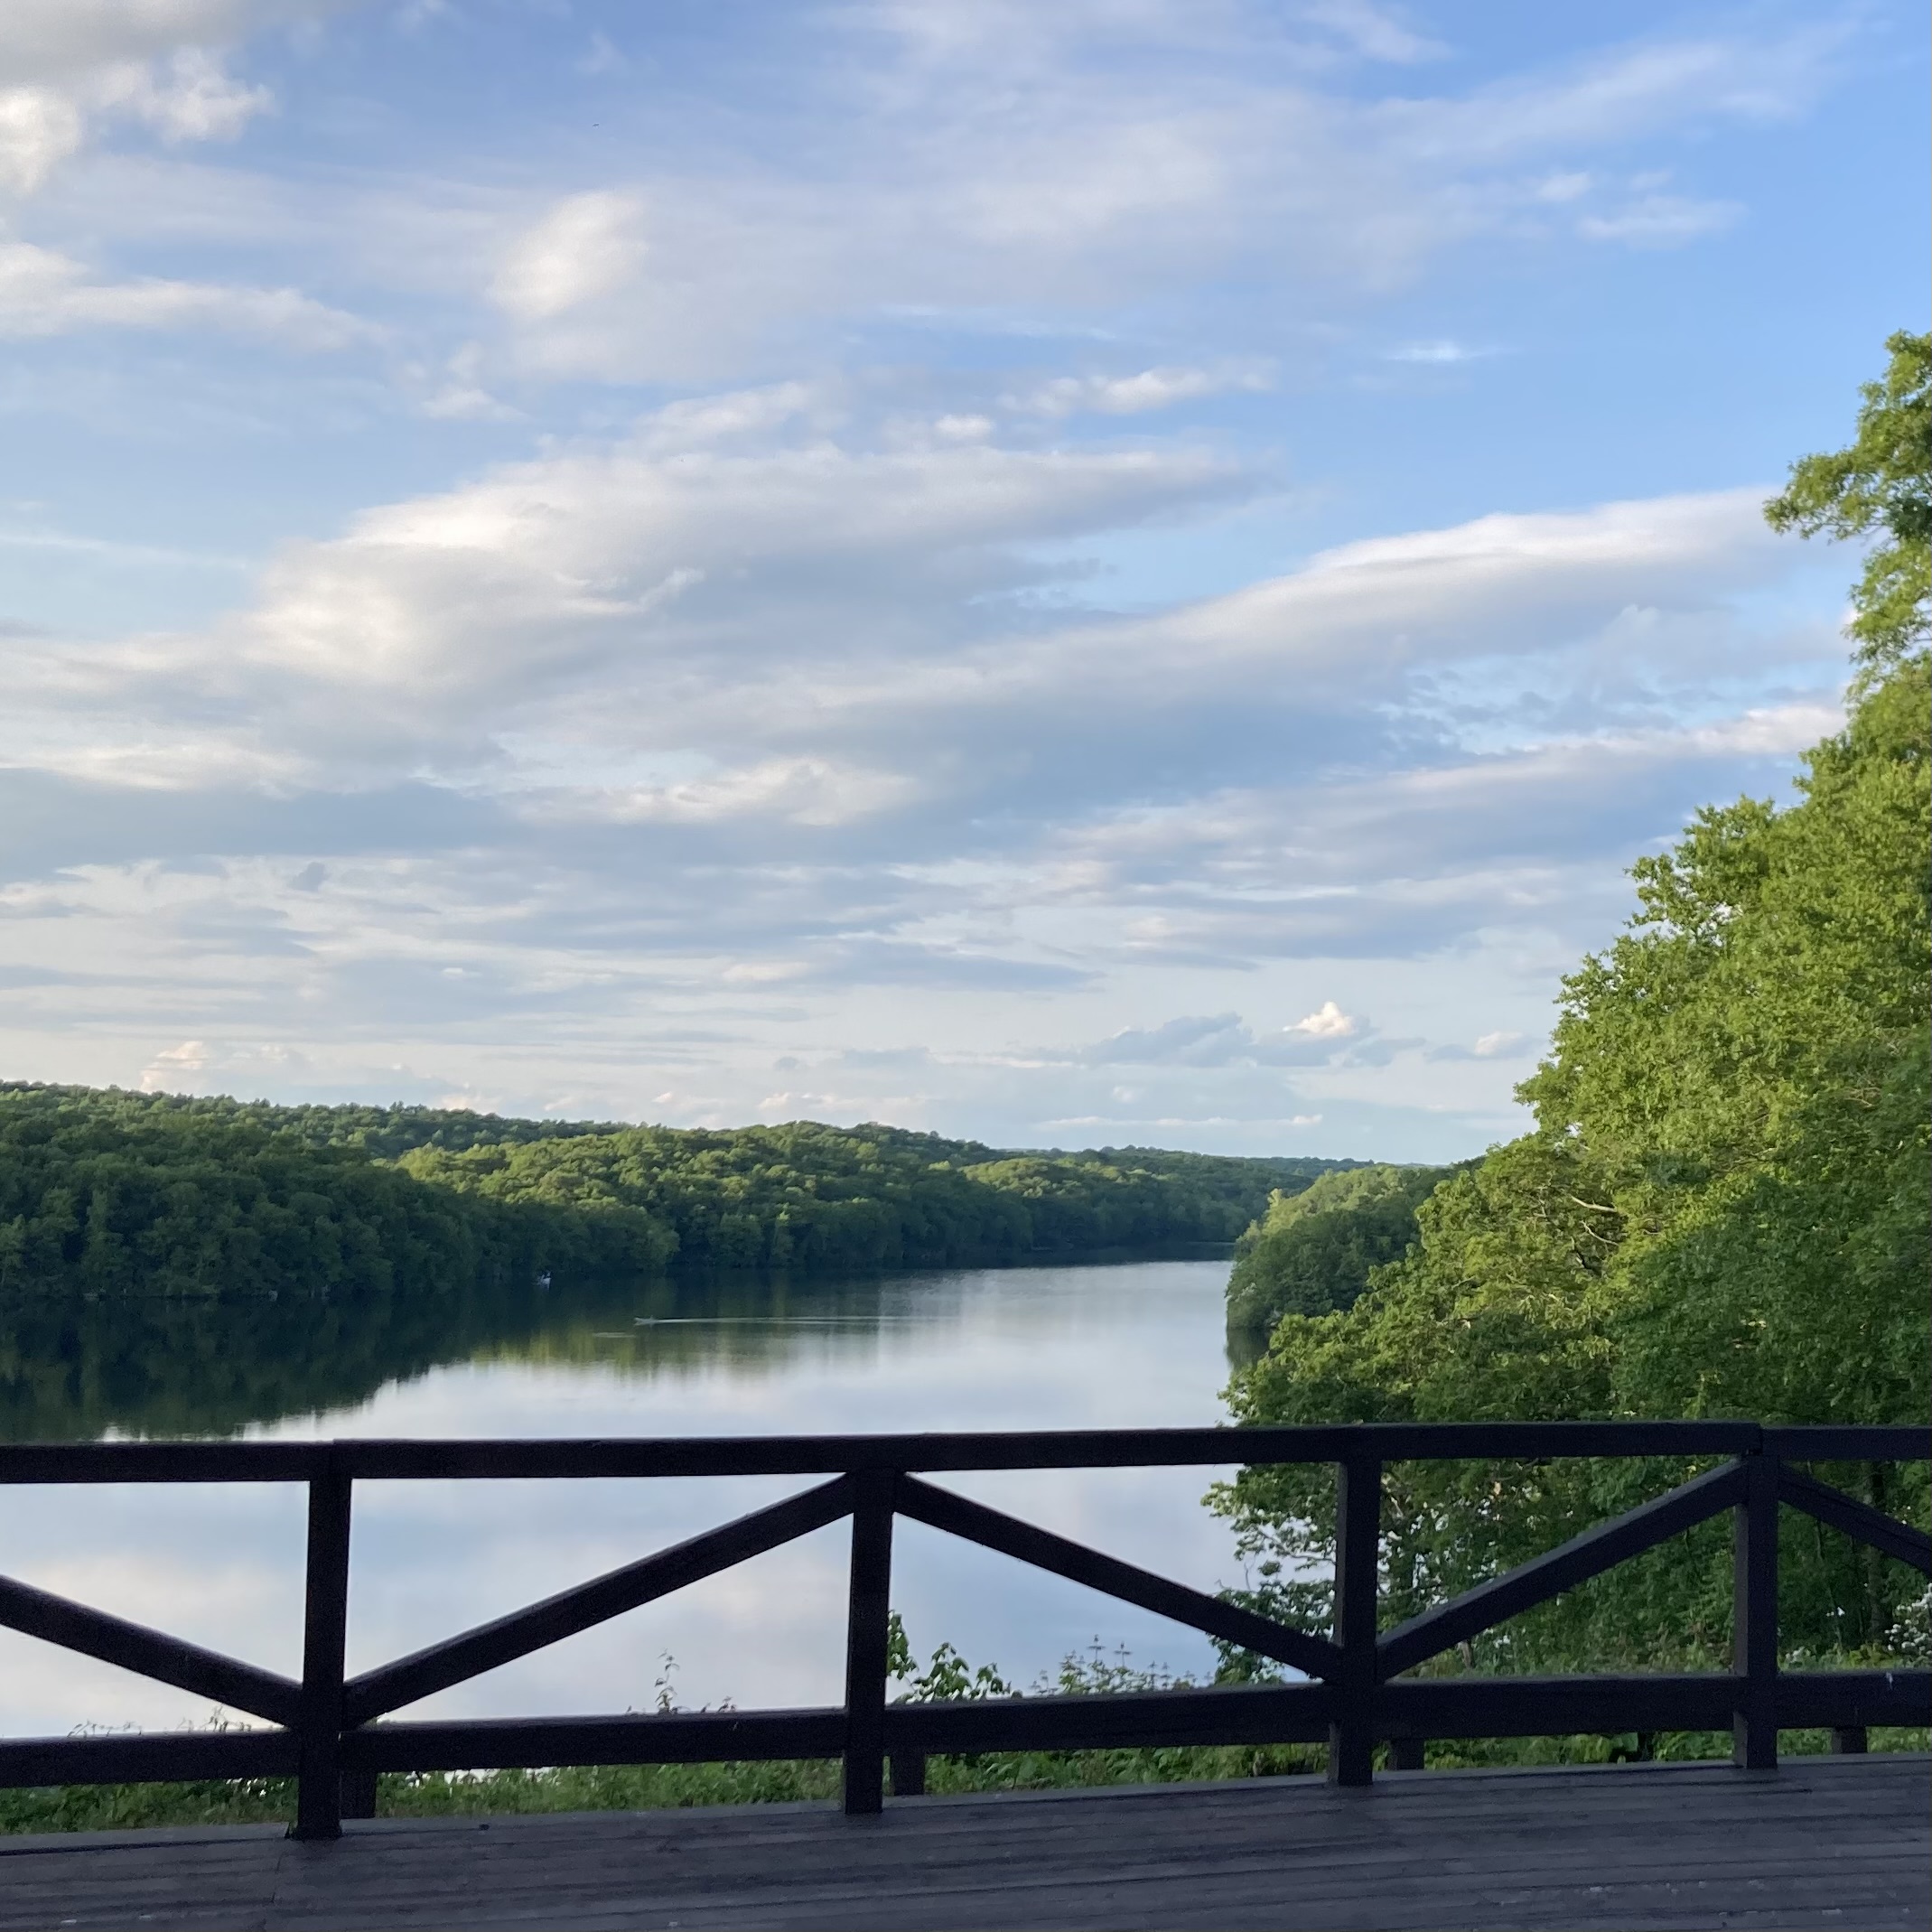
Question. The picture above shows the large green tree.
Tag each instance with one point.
(1878, 487)
(1724, 1207)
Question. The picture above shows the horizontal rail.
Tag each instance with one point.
(677, 1737)
(139, 1757)
(1523, 1707)
(92, 1463)
(1847, 1441)
(1856, 1519)
(1284, 1714)
(586, 1605)
(1215, 1616)
(1812, 1699)
(1596, 1550)
(376, 1460)
(1442, 1707)
(97, 1633)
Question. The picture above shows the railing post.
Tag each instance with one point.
(1358, 1540)
(1754, 1617)
(357, 1794)
(324, 1629)
(868, 1610)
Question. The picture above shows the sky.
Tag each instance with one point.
(1133, 571)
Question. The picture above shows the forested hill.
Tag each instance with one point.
(114, 1193)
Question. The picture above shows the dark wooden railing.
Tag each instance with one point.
(328, 1729)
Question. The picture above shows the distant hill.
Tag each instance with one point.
(118, 1192)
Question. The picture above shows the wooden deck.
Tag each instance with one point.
(1841, 1842)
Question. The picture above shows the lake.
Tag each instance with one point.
(1118, 1344)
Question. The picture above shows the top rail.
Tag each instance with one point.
(372, 1459)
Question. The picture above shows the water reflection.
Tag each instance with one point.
(79, 1368)
(1062, 1347)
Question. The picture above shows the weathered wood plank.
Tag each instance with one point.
(1838, 1842)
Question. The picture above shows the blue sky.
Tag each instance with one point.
(1121, 572)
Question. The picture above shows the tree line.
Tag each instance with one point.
(114, 1193)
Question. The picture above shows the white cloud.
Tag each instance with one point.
(830, 633)
(1005, 173)
(1612, 96)
(40, 128)
(680, 562)
(1220, 1040)
(806, 791)
(1151, 388)
(41, 40)
(170, 1067)
(1376, 33)
(1328, 1021)
(461, 396)
(189, 96)
(1501, 1045)
(587, 246)
(1660, 222)
(44, 292)
(1440, 353)
(185, 94)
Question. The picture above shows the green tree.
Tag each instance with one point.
(1881, 484)
(1311, 1252)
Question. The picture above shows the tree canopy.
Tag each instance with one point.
(1880, 485)
(1311, 1252)
(116, 1193)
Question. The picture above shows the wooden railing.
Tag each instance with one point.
(328, 1729)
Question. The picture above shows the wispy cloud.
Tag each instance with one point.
(1660, 222)
(1443, 352)
(1147, 389)
(42, 292)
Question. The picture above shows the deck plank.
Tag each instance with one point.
(1838, 1842)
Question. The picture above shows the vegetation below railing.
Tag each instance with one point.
(674, 1787)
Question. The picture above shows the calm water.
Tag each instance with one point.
(1122, 1345)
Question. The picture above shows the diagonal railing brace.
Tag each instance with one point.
(1855, 1518)
(941, 1510)
(1600, 1548)
(148, 1653)
(391, 1685)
